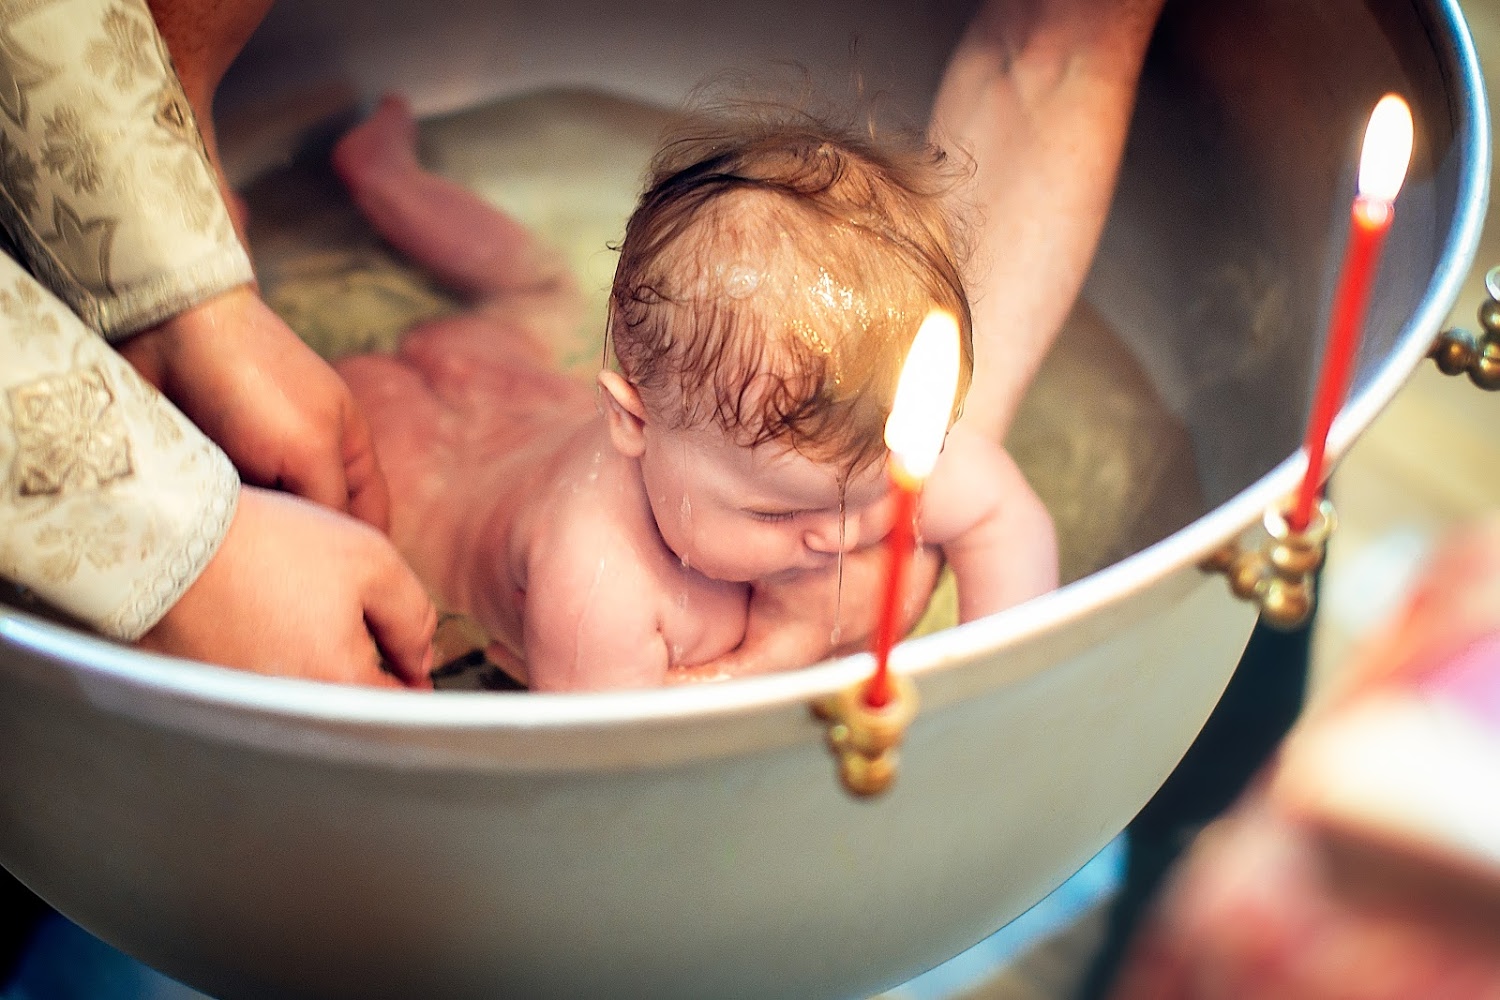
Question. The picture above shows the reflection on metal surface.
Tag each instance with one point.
(1459, 351)
(1278, 576)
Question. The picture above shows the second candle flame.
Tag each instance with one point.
(923, 406)
(1387, 150)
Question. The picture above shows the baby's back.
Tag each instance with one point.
(510, 502)
(463, 416)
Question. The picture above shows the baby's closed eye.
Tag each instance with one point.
(772, 516)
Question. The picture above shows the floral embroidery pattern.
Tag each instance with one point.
(111, 502)
(20, 173)
(20, 72)
(99, 540)
(89, 243)
(174, 116)
(187, 188)
(69, 151)
(27, 311)
(105, 184)
(122, 56)
(69, 437)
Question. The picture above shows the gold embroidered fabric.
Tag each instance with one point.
(111, 501)
(105, 186)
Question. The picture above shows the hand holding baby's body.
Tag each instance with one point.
(275, 407)
(351, 592)
(694, 527)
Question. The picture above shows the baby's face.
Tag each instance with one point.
(742, 514)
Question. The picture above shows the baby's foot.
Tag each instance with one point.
(381, 145)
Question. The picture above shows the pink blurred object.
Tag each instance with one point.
(1412, 772)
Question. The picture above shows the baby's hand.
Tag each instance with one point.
(800, 621)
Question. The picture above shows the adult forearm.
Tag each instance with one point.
(1039, 93)
(108, 192)
(111, 502)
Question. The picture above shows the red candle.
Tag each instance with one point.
(1382, 168)
(900, 544)
(1369, 222)
(914, 432)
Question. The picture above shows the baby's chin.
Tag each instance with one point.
(743, 573)
(788, 574)
(730, 571)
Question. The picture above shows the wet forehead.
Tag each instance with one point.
(776, 472)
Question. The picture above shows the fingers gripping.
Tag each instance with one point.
(403, 620)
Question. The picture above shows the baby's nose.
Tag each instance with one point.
(827, 535)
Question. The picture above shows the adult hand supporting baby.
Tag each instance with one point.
(280, 586)
(232, 365)
(278, 410)
(1039, 93)
(298, 591)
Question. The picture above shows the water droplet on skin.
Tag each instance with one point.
(838, 593)
(676, 654)
(682, 601)
(741, 281)
(583, 619)
(685, 509)
(592, 476)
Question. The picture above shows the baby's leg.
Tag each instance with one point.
(464, 241)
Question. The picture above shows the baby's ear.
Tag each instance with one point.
(625, 412)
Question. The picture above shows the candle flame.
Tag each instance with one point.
(918, 423)
(1387, 150)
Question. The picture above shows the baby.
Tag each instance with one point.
(613, 535)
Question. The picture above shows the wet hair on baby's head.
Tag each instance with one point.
(775, 272)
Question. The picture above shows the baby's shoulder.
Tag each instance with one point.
(578, 539)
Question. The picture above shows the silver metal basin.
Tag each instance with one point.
(262, 837)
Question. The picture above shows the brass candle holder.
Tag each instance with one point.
(1278, 576)
(865, 739)
(1462, 352)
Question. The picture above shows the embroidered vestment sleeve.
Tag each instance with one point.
(111, 501)
(105, 186)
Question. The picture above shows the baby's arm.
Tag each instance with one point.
(591, 620)
(465, 242)
(804, 619)
(990, 524)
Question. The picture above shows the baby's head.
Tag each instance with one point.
(770, 282)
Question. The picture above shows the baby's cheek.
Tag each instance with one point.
(876, 521)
